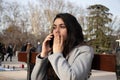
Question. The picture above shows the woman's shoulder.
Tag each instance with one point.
(82, 47)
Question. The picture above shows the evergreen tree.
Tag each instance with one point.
(98, 30)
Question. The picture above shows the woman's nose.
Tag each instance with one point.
(57, 30)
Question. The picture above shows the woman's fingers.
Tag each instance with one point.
(58, 43)
(61, 41)
(49, 37)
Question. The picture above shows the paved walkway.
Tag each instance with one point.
(102, 75)
(21, 73)
(18, 73)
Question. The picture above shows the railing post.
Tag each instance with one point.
(28, 64)
(118, 63)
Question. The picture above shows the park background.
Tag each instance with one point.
(24, 21)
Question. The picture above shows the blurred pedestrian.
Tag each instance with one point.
(39, 47)
(24, 46)
(29, 46)
(2, 51)
(9, 52)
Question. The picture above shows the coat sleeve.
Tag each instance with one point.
(79, 68)
(39, 70)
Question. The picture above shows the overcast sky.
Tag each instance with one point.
(113, 5)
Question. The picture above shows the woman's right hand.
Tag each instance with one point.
(46, 46)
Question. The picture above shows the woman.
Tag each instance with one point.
(69, 58)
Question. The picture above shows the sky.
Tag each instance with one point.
(113, 5)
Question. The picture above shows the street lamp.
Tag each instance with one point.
(118, 42)
(118, 60)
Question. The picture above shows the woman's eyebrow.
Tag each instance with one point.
(59, 24)
(62, 24)
(54, 24)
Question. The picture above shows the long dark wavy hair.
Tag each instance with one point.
(74, 38)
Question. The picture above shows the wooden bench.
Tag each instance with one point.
(105, 62)
(22, 57)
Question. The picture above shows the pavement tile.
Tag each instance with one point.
(18, 73)
(21, 73)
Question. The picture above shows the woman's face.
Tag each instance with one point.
(60, 28)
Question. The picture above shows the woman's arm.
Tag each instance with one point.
(39, 70)
(79, 68)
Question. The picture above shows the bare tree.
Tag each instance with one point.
(35, 22)
(42, 14)
(17, 24)
(11, 13)
(1, 10)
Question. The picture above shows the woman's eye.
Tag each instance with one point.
(60, 26)
(53, 27)
(63, 26)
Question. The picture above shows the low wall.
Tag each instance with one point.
(105, 62)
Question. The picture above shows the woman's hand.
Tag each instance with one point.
(46, 46)
(58, 43)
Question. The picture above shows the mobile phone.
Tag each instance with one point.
(51, 42)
